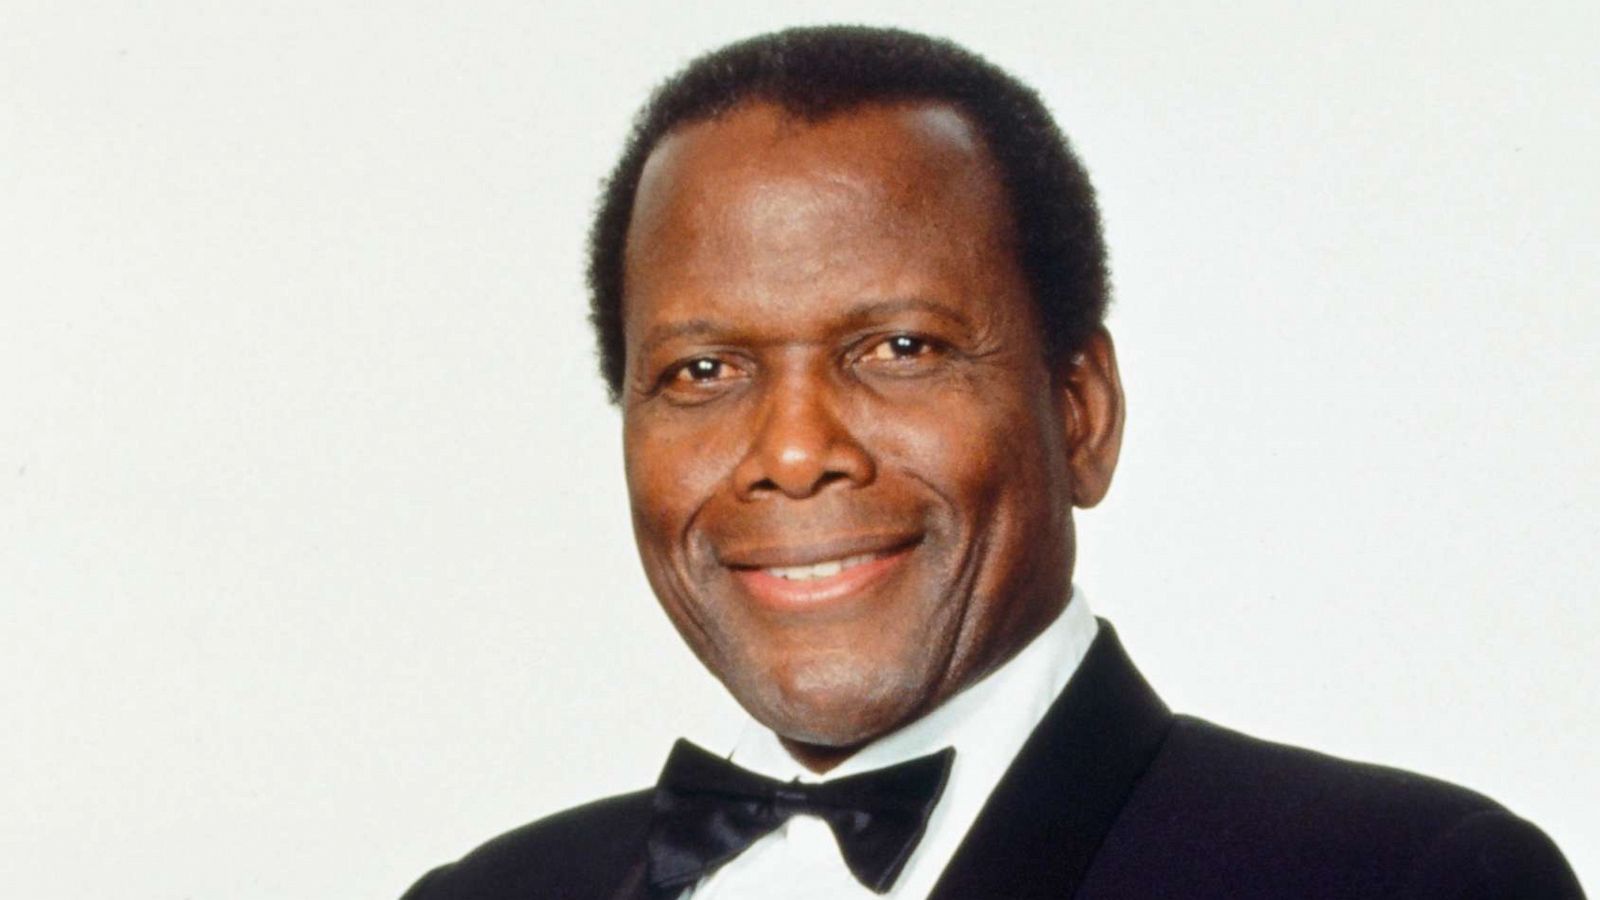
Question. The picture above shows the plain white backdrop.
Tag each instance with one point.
(315, 564)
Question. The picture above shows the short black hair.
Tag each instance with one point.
(815, 72)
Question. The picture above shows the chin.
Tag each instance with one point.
(834, 703)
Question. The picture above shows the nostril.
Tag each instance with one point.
(799, 487)
(829, 478)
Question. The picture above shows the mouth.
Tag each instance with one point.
(825, 569)
(793, 580)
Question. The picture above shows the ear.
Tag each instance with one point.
(1090, 391)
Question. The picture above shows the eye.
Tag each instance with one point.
(701, 369)
(699, 376)
(899, 347)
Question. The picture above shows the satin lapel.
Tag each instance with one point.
(634, 885)
(1042, 825)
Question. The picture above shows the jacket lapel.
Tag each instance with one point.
(634, 885)
(1048, 815)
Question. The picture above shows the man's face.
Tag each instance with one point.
(851, 466)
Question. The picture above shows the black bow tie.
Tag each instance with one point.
(708, 810)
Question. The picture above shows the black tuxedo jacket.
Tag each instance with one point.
(1115, 797)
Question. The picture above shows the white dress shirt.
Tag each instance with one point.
(987, 724)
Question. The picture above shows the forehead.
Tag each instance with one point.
(758, 200)
(896, 144)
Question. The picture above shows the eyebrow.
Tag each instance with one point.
(882, 308)
(854, 317)
(670, 330)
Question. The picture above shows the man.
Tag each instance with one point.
(848, 286)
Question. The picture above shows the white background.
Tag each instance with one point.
(315, 567)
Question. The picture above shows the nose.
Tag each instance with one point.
(801, 444)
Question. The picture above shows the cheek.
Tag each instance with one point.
(971, 447)
(992, 459)
(672, 471)
(669, 477)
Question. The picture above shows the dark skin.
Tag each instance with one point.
(851, 464)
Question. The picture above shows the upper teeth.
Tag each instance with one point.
(823, 569)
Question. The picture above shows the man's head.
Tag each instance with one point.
(854, 431)
(814, 73)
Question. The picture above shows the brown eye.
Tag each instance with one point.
(901, 346)
(700, 373)
(703, 369)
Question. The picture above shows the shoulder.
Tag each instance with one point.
(1257, 818)
(1229, 771)
(580, 852)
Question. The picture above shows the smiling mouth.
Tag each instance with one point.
(811, 584)
(824, 569)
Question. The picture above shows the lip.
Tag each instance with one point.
(782, 554)
(749, 569)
